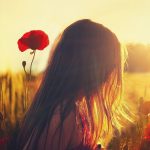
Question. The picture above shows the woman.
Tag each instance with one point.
(74, 106)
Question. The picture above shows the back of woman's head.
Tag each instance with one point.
(84, 74)
(87, 54)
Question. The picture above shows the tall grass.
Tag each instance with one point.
(14, 101)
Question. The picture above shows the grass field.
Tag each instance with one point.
(137, 85)
(13, 100)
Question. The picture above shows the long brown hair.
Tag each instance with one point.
(84, 75)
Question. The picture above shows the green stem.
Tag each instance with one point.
(25, 71)
(25, 80)
(29, 79)
(31, 64)
(26, 92)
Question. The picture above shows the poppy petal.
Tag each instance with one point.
(22, 44)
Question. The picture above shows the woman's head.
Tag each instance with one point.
(84, 75)
(87, 53)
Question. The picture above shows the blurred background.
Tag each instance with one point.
(128, 19)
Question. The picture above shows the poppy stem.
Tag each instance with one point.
(25, 71)
(26, 90)
(25, 82)
(28, 81)
(31, 64)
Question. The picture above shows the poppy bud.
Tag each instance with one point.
(24, 64)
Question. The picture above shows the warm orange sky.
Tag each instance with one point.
(129, 19)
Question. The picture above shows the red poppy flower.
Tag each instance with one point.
(147, 132)
(35, 40)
